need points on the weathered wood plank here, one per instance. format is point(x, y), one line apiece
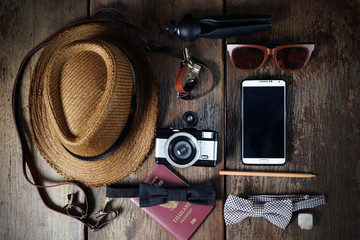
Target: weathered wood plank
point(22, 214)
point(323, 107)
point(153, 17)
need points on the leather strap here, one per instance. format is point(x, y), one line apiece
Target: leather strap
point(145, 40)
point(183, 91)
point(77, 212)
point(152, 46)
point(178, 81)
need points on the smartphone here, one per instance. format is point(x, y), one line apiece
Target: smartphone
point(263, 122)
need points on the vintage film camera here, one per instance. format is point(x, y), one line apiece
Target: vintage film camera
point(187, 147)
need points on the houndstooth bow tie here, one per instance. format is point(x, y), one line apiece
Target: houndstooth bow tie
point(277, 209)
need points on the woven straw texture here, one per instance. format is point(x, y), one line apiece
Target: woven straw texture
point(80, 98)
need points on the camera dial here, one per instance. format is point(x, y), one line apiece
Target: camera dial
point(182, 150)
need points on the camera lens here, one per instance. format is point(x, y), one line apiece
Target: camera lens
point(182, 150)
point(190, 119)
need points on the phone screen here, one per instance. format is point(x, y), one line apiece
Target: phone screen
point(263, 124)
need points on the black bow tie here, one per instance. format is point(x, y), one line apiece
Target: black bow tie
point(149, 195)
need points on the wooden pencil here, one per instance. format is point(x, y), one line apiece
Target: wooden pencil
point(266, 174)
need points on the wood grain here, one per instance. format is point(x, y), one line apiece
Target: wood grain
point(153, 17)
point(266, 174)
point(323, 125)
point(323, 117)
point(22, 214)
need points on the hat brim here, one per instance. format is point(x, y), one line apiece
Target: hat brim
point(139, 140)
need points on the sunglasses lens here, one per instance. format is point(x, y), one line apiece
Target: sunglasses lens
point(292, 58)
point(247, 58)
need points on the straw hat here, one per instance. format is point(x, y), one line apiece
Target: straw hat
point(93, 104)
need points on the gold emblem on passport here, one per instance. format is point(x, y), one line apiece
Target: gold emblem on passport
point(171, 205)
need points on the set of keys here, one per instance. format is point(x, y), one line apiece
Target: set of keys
point(194, 72)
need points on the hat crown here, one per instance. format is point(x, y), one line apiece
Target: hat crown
point(89, 86)
point(80, 48)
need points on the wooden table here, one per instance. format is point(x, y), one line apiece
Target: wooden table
point(323, 119)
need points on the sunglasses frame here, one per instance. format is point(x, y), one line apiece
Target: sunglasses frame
point(270, 51)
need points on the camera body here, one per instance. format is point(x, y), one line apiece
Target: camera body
point(186, 147)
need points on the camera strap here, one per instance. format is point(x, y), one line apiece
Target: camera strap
point(79, 211)
point(76, 211)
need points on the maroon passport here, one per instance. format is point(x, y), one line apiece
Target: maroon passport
point(181, 219)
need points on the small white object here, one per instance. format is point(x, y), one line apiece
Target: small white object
point(207, 135)
point(305, 221)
